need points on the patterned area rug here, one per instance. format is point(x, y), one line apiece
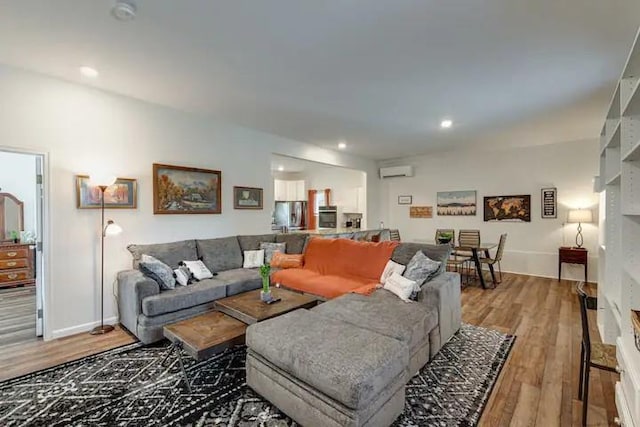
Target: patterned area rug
point(128, 386)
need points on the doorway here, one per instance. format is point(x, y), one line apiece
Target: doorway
point(21, 250)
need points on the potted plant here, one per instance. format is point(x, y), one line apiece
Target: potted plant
point(265, 272)
point(445, 237)
point(15, 236)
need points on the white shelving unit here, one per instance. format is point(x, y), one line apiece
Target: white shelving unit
point(619, 277)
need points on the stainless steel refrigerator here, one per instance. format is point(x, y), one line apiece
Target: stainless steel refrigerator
point(291, 215)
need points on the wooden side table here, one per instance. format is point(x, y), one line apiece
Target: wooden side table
point(571, 255)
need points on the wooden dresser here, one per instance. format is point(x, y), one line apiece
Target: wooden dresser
point(16, 265)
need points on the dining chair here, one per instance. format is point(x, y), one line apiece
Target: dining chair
point(496, 260)
point(592, 355)
point(394, 235)
point(468, 238)
point(455, 262)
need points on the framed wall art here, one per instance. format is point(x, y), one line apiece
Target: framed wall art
point(549, 202)
point(405, 200)
point(185, 190)
point(457, 203)
point(247, 198)
point(421, 212)
point(123, 194)
point(508, 208)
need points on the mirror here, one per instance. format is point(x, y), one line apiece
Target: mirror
point(11, 216)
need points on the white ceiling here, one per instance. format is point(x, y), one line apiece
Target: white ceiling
point(380, 74)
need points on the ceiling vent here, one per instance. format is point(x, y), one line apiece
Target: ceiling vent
point(124, 10)
point(396, 171)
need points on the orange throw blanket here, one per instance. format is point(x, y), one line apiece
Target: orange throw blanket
point(333, 267)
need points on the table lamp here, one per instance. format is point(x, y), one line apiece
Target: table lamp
point(579, 216)
point(108, 229)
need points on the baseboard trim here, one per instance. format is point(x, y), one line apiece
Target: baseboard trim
point(86, 327)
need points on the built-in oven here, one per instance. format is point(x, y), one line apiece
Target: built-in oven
point(328, 217)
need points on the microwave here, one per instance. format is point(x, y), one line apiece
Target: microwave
point(327, 217)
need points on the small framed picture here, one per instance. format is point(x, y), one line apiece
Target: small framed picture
point(549, 202)
point(247, 198)
point(123, 194)
point(405, 200)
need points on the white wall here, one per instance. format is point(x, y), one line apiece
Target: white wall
point(18, 177)
point(84, 130)
point(532, 248)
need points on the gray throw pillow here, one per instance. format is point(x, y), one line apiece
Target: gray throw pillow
point(271, 248)
point(158, 271)
point(421, 268)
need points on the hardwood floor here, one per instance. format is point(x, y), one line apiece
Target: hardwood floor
point(17, 315)
point(537, 387)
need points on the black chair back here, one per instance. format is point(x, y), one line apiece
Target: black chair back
point(587, 302)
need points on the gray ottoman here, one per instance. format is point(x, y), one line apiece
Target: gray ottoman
point(325, 372)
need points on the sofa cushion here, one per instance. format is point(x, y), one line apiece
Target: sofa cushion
point(403, 253)
point(384, 313)
point(252, 243)
point(295, 242)
point(171, 254)
point(338, 367)
point(220, 254)
point(184, 297)
point(323, 285)
point(240, 280)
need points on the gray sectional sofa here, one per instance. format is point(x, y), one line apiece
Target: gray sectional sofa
point(346, 362)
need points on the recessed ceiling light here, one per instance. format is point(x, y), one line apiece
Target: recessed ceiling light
point(446, 124)
point(89, 72)
point(124, 10)
point(281, 168)
point(342, 145)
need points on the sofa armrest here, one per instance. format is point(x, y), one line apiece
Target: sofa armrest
point(443, 294)
point(133, 287)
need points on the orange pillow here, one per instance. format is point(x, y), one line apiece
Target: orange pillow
point(280, 260)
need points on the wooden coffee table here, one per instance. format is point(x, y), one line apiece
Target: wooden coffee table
point(212, 332)
point(248, 308)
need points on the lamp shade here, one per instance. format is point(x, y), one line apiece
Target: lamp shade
point(580, 215)
point(111, 229)
point(101, 179)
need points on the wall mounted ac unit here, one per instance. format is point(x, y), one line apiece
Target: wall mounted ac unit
point(396, 171)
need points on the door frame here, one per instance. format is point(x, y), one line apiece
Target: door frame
point(45, 271)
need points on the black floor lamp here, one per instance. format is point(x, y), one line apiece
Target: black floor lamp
point(108, 229)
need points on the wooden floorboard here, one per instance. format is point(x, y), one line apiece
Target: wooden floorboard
point(17, 315)
point(537, 387)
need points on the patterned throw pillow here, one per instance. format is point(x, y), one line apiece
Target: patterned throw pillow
point(182, 275)
point(253, 259)
point(421, 268)
point(272, 248)
point(158, 271)
point(284, 261)
point(198, 269)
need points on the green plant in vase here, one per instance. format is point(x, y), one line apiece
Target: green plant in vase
point(15, 236)
point(445, 237)
point(265, 273)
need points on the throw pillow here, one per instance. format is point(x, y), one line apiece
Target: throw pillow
point(389, 269)
point(198, 269)
point(401, 286)
point(271, 248)
point(253, 259)
point(421, 268)
point(182, 275)
point(158, 271)
point(285, 261)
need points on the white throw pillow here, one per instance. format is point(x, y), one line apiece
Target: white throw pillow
point(182, 274)
point(253, 259)
point(401, 286)
point(389, 269)
point(198, 269)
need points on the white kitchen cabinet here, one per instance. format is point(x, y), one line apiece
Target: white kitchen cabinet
point(289, 191)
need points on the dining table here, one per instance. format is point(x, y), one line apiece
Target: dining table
point(475, 250)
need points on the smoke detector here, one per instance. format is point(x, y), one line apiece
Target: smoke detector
point(124, 10)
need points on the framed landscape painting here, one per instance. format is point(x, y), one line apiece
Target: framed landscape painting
point(123, 194)
point(247, 198)
point(508, 208)
point(457, 203)
point(184, 190)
